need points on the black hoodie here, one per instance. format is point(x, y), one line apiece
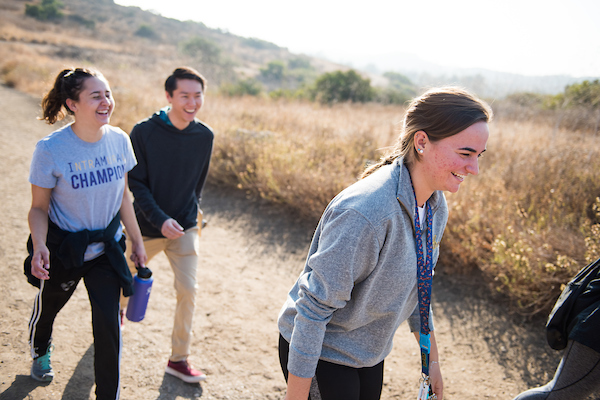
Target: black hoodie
point(172, 167)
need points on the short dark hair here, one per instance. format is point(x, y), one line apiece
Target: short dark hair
point(183, 73)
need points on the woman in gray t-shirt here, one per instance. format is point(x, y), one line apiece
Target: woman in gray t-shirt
point(78, 177)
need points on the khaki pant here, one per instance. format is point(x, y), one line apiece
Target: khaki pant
point(183, 257)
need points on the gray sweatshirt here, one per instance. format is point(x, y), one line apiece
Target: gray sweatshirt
point(360, 278)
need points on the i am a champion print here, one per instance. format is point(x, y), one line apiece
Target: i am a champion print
point(97, 171)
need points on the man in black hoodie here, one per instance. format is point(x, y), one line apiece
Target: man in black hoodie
point(173, 151)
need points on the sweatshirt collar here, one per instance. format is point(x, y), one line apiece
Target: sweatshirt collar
point(405, 193)
point(164, 116)
point(159, 118)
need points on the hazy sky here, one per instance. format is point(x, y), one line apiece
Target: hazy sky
point(530, 37)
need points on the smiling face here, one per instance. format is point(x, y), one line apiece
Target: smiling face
point(446, 163)
point(186, 101)
point(95, 104)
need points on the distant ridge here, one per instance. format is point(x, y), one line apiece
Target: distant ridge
point(485, 82)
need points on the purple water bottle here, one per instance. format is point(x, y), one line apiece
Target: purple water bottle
point(142, 284)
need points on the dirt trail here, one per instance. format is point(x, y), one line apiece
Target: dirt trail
point(251, 254)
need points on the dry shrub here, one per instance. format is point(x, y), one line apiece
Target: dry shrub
point(136, 94)
point(10, 7)
point(50, 34)
point(295, 153)
point(23, 69)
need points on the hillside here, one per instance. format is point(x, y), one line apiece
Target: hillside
point(104, 32)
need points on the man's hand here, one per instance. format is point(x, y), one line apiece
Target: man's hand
point(171, 229)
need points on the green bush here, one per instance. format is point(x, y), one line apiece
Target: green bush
point(259, 44)
point(47, 10)
point(146, 31)
point(579, 106)
point(339, 86)
point(291, 94)
point(88, 23)
point(204, 49)
point(299, 63)
point(275, 71)
point(246, 87)
point(585, 94)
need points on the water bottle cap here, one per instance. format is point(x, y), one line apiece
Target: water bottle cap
point(144, 272)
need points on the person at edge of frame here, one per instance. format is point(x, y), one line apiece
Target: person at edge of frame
point(578, 373)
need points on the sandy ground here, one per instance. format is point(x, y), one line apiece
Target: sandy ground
point(251, 254)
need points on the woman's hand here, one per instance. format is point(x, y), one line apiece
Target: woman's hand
point(38, 225)
point(437, 384)
point(40, 263)
point(138, 253)
point(435, 373)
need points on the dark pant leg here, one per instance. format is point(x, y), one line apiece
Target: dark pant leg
point(371, 382)
point(284, 349)
point(103, 288)
point(339, 382)
point(577, 377)
point(53, 295)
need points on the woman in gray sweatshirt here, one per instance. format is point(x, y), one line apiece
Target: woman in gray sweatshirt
point(360, 281)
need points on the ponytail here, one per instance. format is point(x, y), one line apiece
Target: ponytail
point(67, 85)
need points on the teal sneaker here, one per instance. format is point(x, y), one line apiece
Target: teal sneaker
point(41, 368)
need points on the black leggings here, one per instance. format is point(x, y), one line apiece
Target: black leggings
point(339, 382)
point(102, 284)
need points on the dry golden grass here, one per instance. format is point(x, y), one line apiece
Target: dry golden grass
point(527, 221)
point(52, 36)
point(297, 153)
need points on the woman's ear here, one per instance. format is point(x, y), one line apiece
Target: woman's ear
point(420, 141)
point(72, 105)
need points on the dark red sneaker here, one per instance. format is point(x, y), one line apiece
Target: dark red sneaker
point(184, 371)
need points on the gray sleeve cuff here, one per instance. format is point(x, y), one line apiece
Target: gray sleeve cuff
point(302, 365)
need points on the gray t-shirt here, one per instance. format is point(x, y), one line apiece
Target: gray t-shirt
point(87, 179)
